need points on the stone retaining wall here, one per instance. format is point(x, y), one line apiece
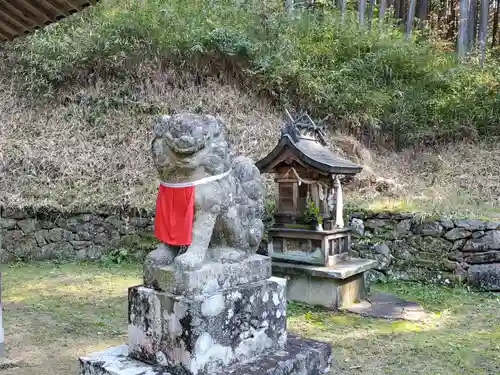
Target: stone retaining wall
point(405, 246)
point(444, 251)
point(42, 234)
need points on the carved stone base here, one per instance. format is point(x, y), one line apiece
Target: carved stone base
point(299, 357)
point(207, 333)
point(210, 277)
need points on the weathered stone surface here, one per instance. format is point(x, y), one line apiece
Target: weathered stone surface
point(331, 293)
point(210, 277)
point(422, 274)
point(471, 225)
point(228, 210)
point(299, 357)
point(478, 234)
point(46, 224)
point(207, 333)
point(140, 222)
point(7, 223)
point(28, 225)
point(457, 234)
point(380, 226)
point(402, 250)
point(430, 244)
point(490, 241)
point(342, 270)
point(14, 213)
point(358, 226)
point(485, 276)
point(488, 257)
point(41, 237)
point(403, 228)
point(80, 244)
point(382, 254)
point(447, 223)
point(491, 225)
point(56, 251)
point(429, 229)
point(458, 245)
point(456, 255)
point(20, 245)
point(27, 238)
point(58, 235)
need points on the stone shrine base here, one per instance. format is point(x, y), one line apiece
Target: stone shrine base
point(332, 287)
point(299, 357)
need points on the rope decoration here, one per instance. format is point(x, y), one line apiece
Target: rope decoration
point(320, 184)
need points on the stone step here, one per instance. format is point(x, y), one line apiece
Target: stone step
point(331, 287)
point(341, 270)
point(300, 357)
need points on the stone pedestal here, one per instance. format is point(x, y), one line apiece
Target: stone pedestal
point(332, 287)
point(222, 319)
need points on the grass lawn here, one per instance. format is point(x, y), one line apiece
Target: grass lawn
point(55, 313)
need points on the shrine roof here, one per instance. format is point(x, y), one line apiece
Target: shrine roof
point(312, 153)
point(20, 17)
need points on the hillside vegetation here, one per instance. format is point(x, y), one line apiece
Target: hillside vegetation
point(77, 100)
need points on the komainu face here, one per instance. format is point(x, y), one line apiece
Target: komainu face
point(186, 143)
point(227, 224)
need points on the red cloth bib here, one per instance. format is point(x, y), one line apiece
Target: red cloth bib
point(174, 215)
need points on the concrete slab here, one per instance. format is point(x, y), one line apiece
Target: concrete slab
point(342, 270)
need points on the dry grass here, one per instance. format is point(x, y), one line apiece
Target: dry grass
point(460, 180)
point(55, 313)
point(91, 145)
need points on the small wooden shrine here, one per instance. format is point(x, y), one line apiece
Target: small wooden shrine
point(309, 243)
point(309, 224)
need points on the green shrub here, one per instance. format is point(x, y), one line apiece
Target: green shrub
point(371, 83)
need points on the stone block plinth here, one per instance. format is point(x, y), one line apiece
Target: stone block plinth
point(210, 277)
point(298, 357)
point(206, 333)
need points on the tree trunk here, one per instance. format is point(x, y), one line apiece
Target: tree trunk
point(362, 6)
point(381, 12)
point(471, 25)
point(370, 13)
point(462, 31)
point(423, 10)
point(452, 21)
point(483, 28)
point(495, 25)
point(411, 17)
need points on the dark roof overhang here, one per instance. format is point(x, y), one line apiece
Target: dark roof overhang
point(20, 17)
point(312, 153)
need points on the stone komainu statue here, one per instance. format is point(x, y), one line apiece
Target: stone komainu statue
point(191, 152)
